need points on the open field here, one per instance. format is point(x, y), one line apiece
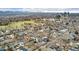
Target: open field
point(54, 33)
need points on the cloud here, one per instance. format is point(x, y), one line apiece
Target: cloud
point(39, 3)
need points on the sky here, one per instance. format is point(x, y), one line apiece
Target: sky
point(39, 3)
point(62, 5)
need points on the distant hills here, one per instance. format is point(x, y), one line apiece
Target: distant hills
point(35, 11)
point(71, 10)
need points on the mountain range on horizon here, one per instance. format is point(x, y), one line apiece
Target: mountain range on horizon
point(71, 10)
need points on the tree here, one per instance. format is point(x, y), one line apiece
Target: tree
point(58, 16)
point(66, 14)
